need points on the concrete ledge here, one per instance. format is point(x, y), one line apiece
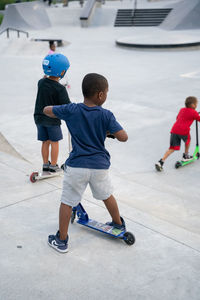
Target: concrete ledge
point(156, 46)
point(156, 38)
point(58, 41)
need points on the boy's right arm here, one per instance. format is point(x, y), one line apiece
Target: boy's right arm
point(114, 128)
point(197, 116)
point(121, 135)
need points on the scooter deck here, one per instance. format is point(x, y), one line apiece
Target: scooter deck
point(102, 228)
point(84, 220)
point(43, 175)
point(182, 163)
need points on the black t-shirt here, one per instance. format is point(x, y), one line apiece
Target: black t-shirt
point(50, 92)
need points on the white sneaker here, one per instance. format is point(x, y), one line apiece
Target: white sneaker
point(55, 242)
point(159, 165)
point(54, 169)
point(186, 157)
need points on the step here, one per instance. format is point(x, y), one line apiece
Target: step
point(144, 25)
point(145, 11)
point(131, 23)
point(126, 20)
point(140, 17)
point(148, 16)
point(154, 10)
point(148, 19)
point(125, 14)
point(122, 25)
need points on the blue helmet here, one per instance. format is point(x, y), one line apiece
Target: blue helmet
point(55, 64)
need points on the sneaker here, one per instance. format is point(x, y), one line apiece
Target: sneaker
point(59, 245)
point(186, 157)
point(159, 165)
point(63, 167)
point(54, 169)
point(121, 227)
point(45, 167)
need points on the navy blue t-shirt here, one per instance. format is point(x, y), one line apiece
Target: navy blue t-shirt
point(88, 127)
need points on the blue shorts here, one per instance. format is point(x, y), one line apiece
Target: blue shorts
point(51, 133)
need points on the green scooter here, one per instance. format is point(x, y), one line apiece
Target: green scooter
point(196, 154)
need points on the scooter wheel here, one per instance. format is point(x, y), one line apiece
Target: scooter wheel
point(129, 238)
point(177, 164)
point(73, 216)
point(32, 177)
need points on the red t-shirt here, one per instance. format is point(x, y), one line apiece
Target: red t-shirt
point(184, 120)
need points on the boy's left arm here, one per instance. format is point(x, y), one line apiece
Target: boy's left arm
point(48, 111)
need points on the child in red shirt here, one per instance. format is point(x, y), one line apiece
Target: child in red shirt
point(181, 131)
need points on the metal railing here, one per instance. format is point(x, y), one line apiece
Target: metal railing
point(14, 29)
point(134, 8)
point(135, 5)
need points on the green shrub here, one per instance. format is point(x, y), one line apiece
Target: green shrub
point(4, 2)
point(1, 18)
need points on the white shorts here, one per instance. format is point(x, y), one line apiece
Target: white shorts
point(76, 180)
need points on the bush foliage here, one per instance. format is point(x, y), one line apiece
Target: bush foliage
point(1, 18)
point(4, 2)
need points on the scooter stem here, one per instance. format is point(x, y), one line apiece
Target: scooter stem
point(197, 134)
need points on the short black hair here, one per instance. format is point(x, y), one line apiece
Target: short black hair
point(190, 100)
point(93, 83)
point(51, 43)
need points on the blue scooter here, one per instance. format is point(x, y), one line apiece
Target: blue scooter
point(84, 220)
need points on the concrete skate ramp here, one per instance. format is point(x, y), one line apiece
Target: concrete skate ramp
point(104, 16)
point(6, 147)
point(184, 15)
point(25, 16)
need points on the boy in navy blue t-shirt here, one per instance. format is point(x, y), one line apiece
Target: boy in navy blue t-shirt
point(89, 161)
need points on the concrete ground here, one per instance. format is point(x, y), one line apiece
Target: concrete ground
point(162, 210)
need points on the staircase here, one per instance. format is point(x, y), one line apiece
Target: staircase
point(140, 17)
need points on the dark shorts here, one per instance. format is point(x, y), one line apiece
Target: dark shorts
point(51, 133)
point(175, 140)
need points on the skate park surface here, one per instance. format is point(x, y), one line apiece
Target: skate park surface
point(146, 90)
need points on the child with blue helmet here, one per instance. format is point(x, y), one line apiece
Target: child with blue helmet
point(89, 161)
point(50, 92)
